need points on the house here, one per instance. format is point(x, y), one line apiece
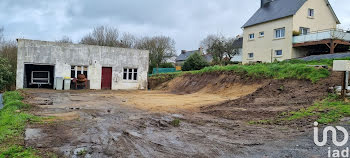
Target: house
point(287, 29)
point(171, 60)
point(42, 64)
point(238, 44)
point(180, 60)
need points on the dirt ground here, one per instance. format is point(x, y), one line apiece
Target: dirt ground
point(213, 114)
point(101, 124)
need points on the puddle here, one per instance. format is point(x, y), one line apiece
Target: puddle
point(1, 105)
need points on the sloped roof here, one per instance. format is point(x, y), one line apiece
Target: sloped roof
point(275, 10)
point(326, 56)
point(278, 9)
point(184, 56)
point(238, 43)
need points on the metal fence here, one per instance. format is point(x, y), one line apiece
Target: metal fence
point(322, 35)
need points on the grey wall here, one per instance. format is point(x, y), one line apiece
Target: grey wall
point(63, 55)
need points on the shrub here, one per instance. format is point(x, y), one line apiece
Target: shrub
point(166, 65)
point(195, 62)
point(296, 33)
point(7, 76)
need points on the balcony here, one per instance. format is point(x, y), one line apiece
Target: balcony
point(323, 35)
point(324, 41)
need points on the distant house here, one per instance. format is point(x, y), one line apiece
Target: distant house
point(171, 60)
point(238, 44)
point(286, 29)
point(180, 60)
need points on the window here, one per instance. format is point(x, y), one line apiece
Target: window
point(251, 36)
point(304, 30)
point(311, 12)
point(250, 55)
point(280, 33)
point(75, 70)
point(278, 52)
point(130, 74)
point(262, 34)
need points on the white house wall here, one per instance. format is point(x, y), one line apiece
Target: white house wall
point(63, 56)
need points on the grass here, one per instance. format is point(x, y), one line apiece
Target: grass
point(329, 110)
point(13, 120)
point(176, 122)
point(295, 69)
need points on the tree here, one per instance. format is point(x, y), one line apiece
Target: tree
point(220, 47)
point(231, 49)
point(1, 35)
point(160, 47)
point(128, 41)
point(102, 36)
point(215, 45)
point(195, 62)
point(65, 39)
point(7, 76)
point(8, 50)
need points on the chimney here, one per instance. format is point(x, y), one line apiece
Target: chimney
point(183, 51)
point(200, 50)
point(264, 3)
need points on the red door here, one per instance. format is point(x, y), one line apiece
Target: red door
point(106, 82)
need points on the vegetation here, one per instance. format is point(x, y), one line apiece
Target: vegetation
point(175, 123)
point(12, 125)
point(220, 48)
point(296, 33)
point(7, 75)
point(195, 62)
point(296, 69)
point(8, 62)
point(329, 110)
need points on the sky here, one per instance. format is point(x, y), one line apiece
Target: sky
point(186, 21)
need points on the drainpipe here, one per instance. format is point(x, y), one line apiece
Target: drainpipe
point(271, 55)
point(346, 80)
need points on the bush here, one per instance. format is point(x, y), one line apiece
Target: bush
point(7, 76)
point(195, 62)
point(166, 65)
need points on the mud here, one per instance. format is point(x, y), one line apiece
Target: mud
point(213, 120)
point(275, 97)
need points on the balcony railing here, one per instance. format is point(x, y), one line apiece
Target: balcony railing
point(322, 35)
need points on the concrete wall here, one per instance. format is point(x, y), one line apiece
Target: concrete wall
point(264, 47)
point(63, 56)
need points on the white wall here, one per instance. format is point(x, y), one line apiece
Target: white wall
point(64, 55)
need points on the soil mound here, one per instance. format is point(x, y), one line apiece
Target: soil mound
point(273, 98)
point(222, 83)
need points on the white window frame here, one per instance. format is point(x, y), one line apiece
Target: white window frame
point(311, 12)
point(280, 33)
point(82, 68)
point(278, 51)
point(250, 57)
point(133, 73)
point(251, 36)
point(303, 29)
point(263, 34)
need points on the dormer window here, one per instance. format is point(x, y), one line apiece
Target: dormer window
point(251, 36)
point(311, 13)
